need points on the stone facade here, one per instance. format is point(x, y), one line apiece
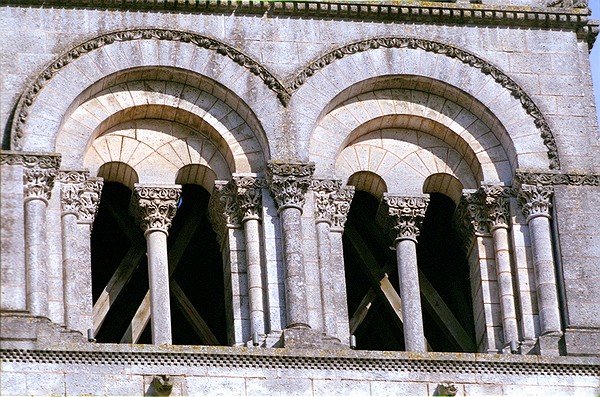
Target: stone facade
point(289, 198)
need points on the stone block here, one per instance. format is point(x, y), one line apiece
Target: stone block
point(290, 387)
point(328, 387)
point(214, 386)
point(45, 384)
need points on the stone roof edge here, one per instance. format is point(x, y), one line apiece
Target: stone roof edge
point(364, 10)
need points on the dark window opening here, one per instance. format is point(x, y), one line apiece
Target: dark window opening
point(197, 287)
point(441, 260)
point(444, 263)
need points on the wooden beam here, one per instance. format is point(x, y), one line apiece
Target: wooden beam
point(376, 276)
point(131, 231)
point(116, 283)
point(361, 311)
point(192, 315)
point(139, 322)
point(443, 316)
point(142, 315)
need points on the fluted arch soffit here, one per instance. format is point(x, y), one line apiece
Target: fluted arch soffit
point(184, 124)
point(283, 90)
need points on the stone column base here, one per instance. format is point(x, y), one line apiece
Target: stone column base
point(306, 338)
point(550, 344)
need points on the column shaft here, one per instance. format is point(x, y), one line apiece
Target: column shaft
point(36, 257)
point(505, 284)
point(297, 313)
point(408, 274)
point(339, 287)
point(545, 275)
point(255, 283)
point(158, 276)
point(70, 270)
point(327, 279)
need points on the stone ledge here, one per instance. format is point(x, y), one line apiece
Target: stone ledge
point(273, 359)
point(426, 11)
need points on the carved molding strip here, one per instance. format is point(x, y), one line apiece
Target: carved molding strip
point(284, 92)
point(441, 49)
point(201, 41)
point(30, 160)
point(549, 178)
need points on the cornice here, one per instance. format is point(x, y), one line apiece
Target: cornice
point(197, 359)
point(562, 14)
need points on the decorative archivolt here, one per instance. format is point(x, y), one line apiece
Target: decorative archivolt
point(284, 91)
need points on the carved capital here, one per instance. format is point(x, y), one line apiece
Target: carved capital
point(155, 206)
point(223, 208)
point(289, 182)
point(249, 196)
point(38, 183)
point(405, 215)
point(496, 201)
point(535, 200)
point(332, 202)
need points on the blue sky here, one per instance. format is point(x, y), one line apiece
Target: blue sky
point(595, 57)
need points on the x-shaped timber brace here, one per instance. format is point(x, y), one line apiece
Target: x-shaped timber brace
point(381, 287)
point(126, 269)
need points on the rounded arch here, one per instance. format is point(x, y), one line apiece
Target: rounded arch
point(487, 90)
point(116, 171)
point(445, 184)
point(43, 107)
point(366, 181)
point(196, 174)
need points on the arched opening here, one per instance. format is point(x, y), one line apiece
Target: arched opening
point(120, 272)
point(371, 278)
point(444, 280)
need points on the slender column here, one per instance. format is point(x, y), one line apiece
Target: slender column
point(288, 183)
point(249, 194)
point(497, 206)
point(156, 207)
point(535, 202)
point(407, 214)
point(324, 210)
point(80, 196)
point(224, 215)
point(39, 181)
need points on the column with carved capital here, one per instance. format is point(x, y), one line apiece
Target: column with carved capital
point(155, 207)
point(80, 197)
point(332, 203)
point(535, 201)
point(407, 214)
point(497, 207)
point(288, 183)
point(39, 181)
point(249, 195)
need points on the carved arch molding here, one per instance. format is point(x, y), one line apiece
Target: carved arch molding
point(284, 90)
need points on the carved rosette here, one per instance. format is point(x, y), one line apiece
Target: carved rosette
point(567, 3)
point(496, 201)
point(535, 200)
point(249, 196)
point(405, 214)
point(155, 206)
point(289, 182)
